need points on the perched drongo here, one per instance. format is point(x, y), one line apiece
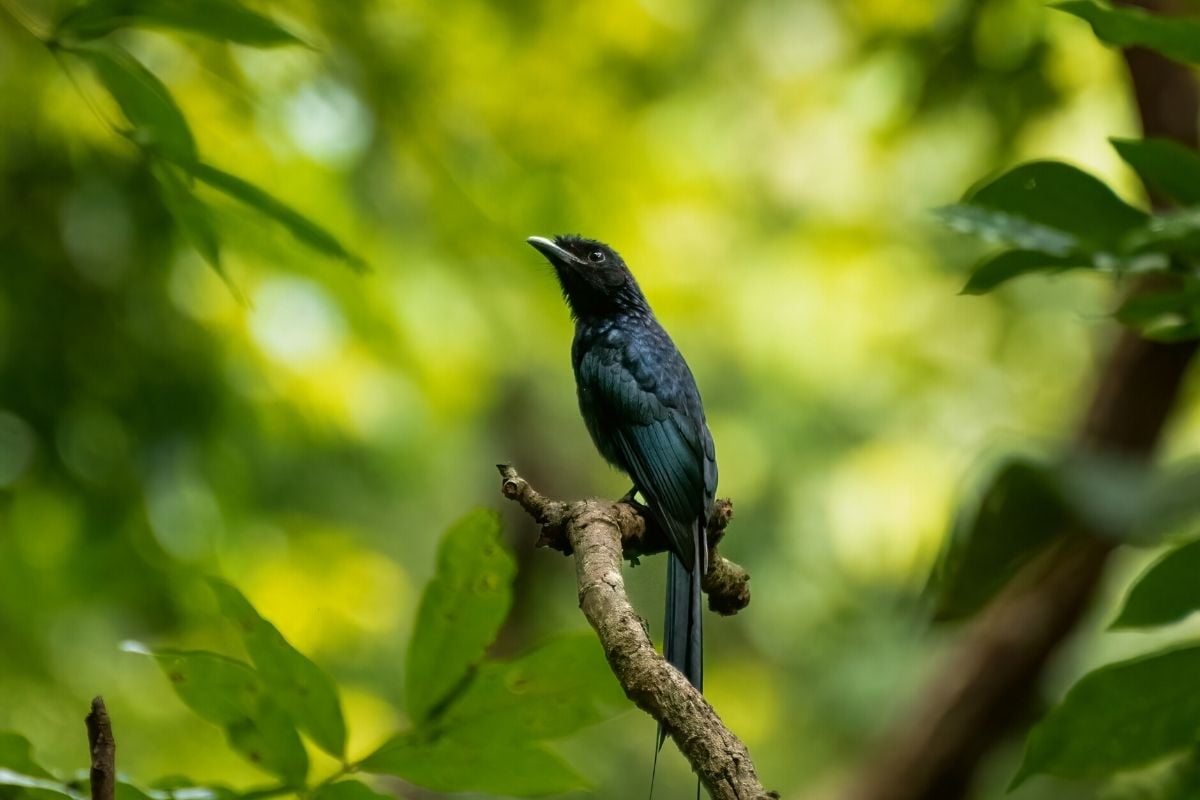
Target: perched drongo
point(641, 406)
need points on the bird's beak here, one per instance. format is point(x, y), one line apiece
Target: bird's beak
point(558, 256)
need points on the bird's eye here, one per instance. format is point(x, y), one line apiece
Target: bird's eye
point(596, 256)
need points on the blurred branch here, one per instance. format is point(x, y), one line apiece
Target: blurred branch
point(104, 751)
point(600, 534)
point(992, 676)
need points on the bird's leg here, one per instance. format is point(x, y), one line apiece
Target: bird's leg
point(630, 498)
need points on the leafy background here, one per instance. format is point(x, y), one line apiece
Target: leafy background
point(193, 383)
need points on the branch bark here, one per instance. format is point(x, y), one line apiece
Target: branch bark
point(103, 752)
point(991, 677)
point(600, 534)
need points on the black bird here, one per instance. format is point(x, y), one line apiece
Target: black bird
point(643, 410)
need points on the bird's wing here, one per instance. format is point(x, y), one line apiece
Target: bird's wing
point(659, 430)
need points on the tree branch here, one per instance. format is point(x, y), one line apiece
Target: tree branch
point(992, 676)
point(103, 750)
point(725, 583)
point(600, 534)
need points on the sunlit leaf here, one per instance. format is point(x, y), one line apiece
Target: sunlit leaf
point(190, 213)
point(299, 685)
point(1062, 198)
point(304, 229)
point(1119, 717)
point(223, 20)
point(348, 790)
point(1165, 165)
point(230, 694)
point(1125, 26)
point(552, 691)
point(504, 766)
point(1004, 267)
point(158, 124)
point(1016, 513)
point(1166, 592)
point(461, 611)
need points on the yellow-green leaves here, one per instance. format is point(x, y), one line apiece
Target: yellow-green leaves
point(222, 20)
point(193, 216)
point(347, 790)
point(262, 706)
point(1119, 717)
point(1125, 26)
point(461, 611)
point(304, 229)
point(502, 767)
point(22, 778)
point(157, 124)
point(480, 725)
point(551, 691)
point(232, 695)
point(296, 683)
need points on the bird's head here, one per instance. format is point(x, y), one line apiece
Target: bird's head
point(593, 276)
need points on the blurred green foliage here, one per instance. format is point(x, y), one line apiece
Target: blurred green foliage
point(306, 431)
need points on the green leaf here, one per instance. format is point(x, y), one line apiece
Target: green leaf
point(1166, 592)
point(551, 691)
point(502, 767)
point(158, 124)
point(1002, 268)
point(1165, 165)
point(1171, 233)
point(1175, 38)
point(999, 227)
point(296, 683)
point(230, 694)
point(304, 229)
point(223, 20)
point(16, 754)
point(1063, 198)
point(1017, 512)
point(190, 214)
point(127, 791)
point(1146, 307)
point(1118, 717)
point(461, 612)
point(1163, 316)
point(348, 790)
point(26, 779)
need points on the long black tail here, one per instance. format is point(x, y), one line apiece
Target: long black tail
point(683, 637)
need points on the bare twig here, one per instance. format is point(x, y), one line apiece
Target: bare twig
point(991, 678)
point(599, 534)
point(104, 752)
